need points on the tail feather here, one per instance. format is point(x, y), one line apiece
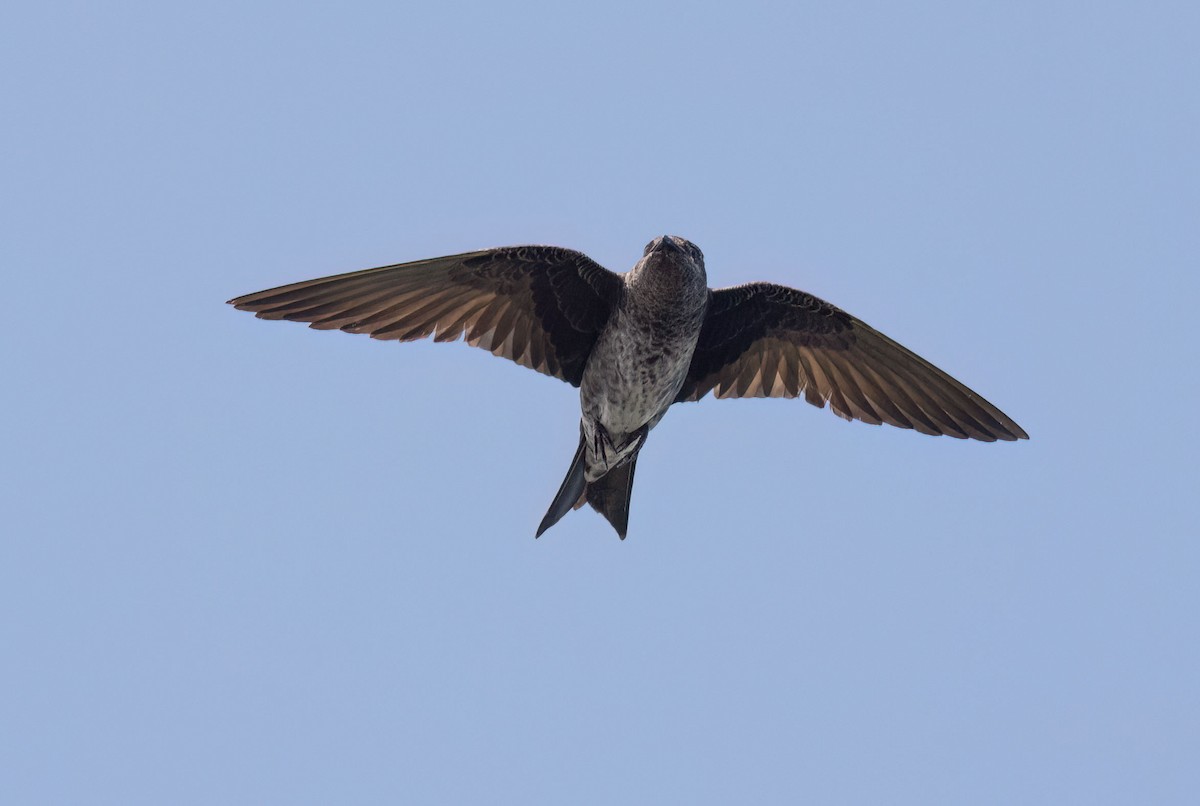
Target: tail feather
point(570, 494)
point(609, 495)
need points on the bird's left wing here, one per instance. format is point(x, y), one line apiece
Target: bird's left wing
point(767, 340)
point(541, 306)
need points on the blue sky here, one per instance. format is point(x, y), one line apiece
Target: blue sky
point(246, 562)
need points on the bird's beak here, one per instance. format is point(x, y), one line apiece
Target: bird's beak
point(667, 244)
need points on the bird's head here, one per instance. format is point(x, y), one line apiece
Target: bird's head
point(675, 255)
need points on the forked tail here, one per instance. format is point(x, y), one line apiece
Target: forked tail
point(608, 495)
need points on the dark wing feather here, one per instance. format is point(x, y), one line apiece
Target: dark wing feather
point(540, 306)
point(766, 340)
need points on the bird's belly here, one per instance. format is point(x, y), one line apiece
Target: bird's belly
point(630, 399)
point(629, 383)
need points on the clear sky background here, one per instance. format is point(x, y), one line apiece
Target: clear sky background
point(247, 562)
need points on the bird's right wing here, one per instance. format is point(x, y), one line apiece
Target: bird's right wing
point(541, 306)
point(767, 340)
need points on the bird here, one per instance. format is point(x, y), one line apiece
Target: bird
point(637, 343)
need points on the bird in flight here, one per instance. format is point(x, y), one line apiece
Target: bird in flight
point(636, 343)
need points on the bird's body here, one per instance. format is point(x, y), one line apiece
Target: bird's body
point(639, 342)
point(642, 355)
